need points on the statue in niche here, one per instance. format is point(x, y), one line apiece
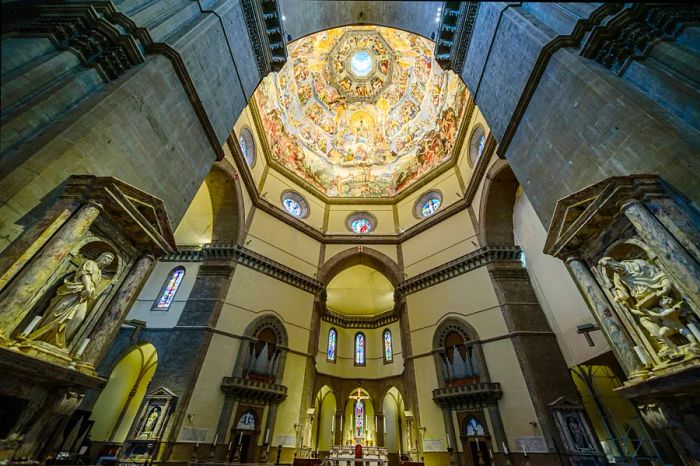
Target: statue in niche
point(68, 309)
point(647, 293)
point(151, 422)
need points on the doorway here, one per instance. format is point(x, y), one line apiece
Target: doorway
point(475, 441)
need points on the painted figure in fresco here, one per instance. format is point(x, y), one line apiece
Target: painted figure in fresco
point(70, 306)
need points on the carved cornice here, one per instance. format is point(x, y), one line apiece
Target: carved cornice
point(580, 217)
point(253, 390)
point(264, 23)
point(250, 259)
point(632, 33)
point(348, 321)
point(460, 266)
point(477, 395)
point(454, 34)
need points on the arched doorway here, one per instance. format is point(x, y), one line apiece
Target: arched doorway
point(394, 425)
point(475, 440)
point(118, 404)
point(245, 434)
point(324, 421)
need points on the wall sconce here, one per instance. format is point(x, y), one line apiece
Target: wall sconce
point(586, 330)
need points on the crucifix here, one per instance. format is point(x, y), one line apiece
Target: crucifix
point(359, 397)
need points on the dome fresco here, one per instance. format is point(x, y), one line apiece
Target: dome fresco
point(361, 111)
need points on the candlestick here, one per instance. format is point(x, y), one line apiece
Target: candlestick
point(505, 447)
point(31, 325)
point(216, 438)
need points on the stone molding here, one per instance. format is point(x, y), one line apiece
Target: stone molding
point(350, 321)
point(250, 259)
point(253, 390)
point(453, 39)
point(459, 266)
point(477, 395)
point(266, 34)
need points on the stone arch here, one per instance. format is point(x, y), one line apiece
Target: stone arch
point(268, 321)
point(360, 256)
point(497, 203)
point(250, 348)
point(470, 338)
point(228, 212)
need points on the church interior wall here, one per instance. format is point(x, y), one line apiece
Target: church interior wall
point(275, 185)
point(247, 200)
point(449, 188)
point(245, 120)
point(142, 308)
point(282, 243)
point(109, 138)
point(375, 367)
point(335, 249)
point(197, 223)
point(555, 290)
point(456, 238)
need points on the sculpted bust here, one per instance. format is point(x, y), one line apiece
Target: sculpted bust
point(69, 307)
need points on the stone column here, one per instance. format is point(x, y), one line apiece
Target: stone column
point(269, 427)
point(379, 428)
point(609, 323)
point(106, 330)
point(684, 269)
point(14, 305)
point(451, 437)
point(227, 410)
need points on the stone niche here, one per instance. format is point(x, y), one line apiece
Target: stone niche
point(66, 285)
point(632, 245)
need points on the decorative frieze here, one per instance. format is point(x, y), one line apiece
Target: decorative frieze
point(476, 395)
point(460, 266)
point(264, 23)
point(348, 321)
point(254, 390)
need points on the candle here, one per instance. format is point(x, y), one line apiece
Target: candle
point(82, 347)
point(449, 444)
point(505, 448)
point(31, 325)
point(216, 438)
point(267, 435)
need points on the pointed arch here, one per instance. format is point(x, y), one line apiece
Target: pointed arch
point(228, 214)
point(497, 203)
point(361, 256)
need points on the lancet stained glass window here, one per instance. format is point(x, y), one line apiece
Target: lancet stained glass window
point(360, 349)
point(388, 350)
point(170, 288)
point(359, 418)
point(332, 341)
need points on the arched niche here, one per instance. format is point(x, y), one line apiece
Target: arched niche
point(459, 358)
point(263, 352)
point(496, 208)
point(393, 409)
point(216, 213)
point(360, 256)
point(116, 408)
point(325, 406)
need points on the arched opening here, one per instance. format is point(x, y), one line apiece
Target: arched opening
point(359, 425)
point(459, 357)
point(324, 421)
point(118, 404)
point(394, 423)
point(215, 214)
point(497, 201)
point(262, 357)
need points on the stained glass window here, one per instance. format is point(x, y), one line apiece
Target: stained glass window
point(245, 141)
point(295, 204)
point(430, 206)
point(477, 145)
point(427, 204)
point(170, 288)
point(388, 351)
point(361, 222)
point(359, 418)
point(332, 339)
point(474, 427)
point(360, 349)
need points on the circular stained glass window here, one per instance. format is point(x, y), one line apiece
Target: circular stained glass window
point(361, 223)
point(295, 204)
point(245, 140)
point(477, 145)
point(361, 63)
point(427, 204)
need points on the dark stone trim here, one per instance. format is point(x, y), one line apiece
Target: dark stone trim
point(478, 395)
point(459, 266)
point(348, 321)
point(480, 169)
point(572, 40)
point(250, 259)
point(264, 23)
point(253, 390)
point(455, 34)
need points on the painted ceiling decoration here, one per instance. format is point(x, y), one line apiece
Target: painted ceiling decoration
point(361, 111)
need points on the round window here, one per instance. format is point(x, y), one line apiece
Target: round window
point(427, 204)
point(245, 140)
point(361, 223)
point(295, 204)
point(477, 145)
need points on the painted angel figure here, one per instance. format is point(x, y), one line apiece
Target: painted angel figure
point(68, 309)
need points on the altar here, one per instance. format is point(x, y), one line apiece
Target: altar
point(344, 455)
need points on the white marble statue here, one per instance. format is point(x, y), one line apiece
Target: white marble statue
point(663, 323)
point(70, 306)
point(637, 279)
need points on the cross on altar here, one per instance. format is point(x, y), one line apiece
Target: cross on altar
point(359, 396)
